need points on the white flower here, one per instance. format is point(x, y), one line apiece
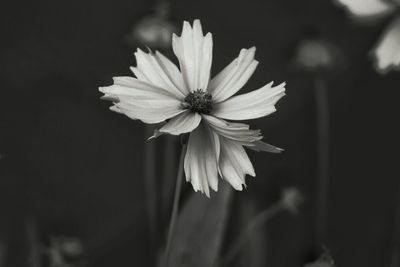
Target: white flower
point(188, 101)
point(387, 51)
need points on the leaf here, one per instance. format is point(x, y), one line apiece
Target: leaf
point(198, 234)
point(325, 260)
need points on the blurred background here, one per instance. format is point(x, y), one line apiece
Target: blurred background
point(72, 172)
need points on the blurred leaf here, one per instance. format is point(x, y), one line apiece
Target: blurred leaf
point(325, 260)
point(255, 253)
point(200, 228)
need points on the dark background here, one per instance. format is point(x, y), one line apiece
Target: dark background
point(76, 168)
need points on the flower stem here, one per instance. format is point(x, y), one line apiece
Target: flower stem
point(33, 259)
point(175, 207)
point(322, 121)
point(150, 186)
point(257, 222)
point(394, 259)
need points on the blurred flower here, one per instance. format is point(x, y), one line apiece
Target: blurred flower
point(190, 102)
point(387, 51)
point(315, 54)
point(325, 260)
point(154, 31)
point(65, 252)
point(291, 199)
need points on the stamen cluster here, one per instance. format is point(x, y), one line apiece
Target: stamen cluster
point(198, 101)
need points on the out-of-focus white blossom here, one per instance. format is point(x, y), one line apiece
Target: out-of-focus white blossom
point(387, 51)
point(314, 55)
point(367, 9)
point(291, 199)
point(154, 31)
point(186, 100)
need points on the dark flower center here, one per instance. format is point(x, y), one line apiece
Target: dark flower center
point(198, 101)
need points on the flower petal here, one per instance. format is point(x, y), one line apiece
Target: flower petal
point(387, 52)
point(234, 163)
point(256, 104)
point(129, 86)
point(194, 52)
point(183, 123)
point(152, 70)
point(262, 146)
point(172, 71)
point(238, 132)
point(367, 8)
point(140, 100)
point(234, 76)
point(201, 161)
point(149, 112)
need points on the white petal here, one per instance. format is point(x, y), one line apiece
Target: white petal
point(183, 123)
point(201, 161)
point(143, 101)
point(238, 132)
point(367, 8)
point(387, 52)
point(149, 113)
point(194, 52)
point(156, 134)
point(255, 104)
point(234, 76)
point(159, 72)
point(262, 146)
point(172, 71)
point(130, 86)
point(234, 163)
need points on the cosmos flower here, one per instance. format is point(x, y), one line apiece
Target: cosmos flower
point(386, 53)
point(186, 100)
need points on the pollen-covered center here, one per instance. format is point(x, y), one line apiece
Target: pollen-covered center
point(198, 101)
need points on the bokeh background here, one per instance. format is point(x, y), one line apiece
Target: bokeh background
point(71, 167)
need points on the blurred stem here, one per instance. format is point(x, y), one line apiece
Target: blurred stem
point(395, 245)
point(163, 8)
point(33, 243)
point(257, 222)
point(150, 185)
point(322, 125)
point(169, 174)
point(3, 252)
point(175, 207)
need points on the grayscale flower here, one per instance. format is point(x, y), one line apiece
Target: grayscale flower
point(188, 101)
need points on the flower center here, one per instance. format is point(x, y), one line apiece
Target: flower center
point(198, 101)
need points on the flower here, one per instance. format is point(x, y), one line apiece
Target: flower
point(291, 199)
point(386, 53)
point(316, 55)
point(154, 30)
point(188, 101)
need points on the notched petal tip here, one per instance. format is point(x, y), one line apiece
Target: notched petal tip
point(265, 147)
point(110, 98)
point(103, 89)
point(116, 109)
point(156, 134)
